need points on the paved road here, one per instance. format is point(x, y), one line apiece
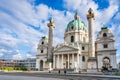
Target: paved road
point(46, 76)
point(11, 77)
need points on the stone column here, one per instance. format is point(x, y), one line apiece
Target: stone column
point(90, 18)
point(68, 61)
point(78, 62)
point(54, 62)
point(58, 62)
point(51, 26)
point(73, 60)
point(43, 65)
point(62, 61)
point(92, 65)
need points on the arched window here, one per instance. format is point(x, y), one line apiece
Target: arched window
point(83, 58)
point(72, 38)
point(83, 48)
point(42, 42)
point(104, 35)
point(72, 27)
point(41, 51)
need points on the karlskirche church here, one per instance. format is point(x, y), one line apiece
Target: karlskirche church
point(80, 51)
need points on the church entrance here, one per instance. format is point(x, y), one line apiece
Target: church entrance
point(106, 63)
point(41, 65)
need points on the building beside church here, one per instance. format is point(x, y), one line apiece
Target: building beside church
point(29, 63)
point(80, 51)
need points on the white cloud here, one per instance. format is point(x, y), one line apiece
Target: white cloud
point(1, 54)
point(117, 17)
point(4, 50)
point(17, 56)
point(28, 55)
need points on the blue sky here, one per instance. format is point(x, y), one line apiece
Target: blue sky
point(24, 22)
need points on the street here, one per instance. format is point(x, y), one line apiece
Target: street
point(11, 77)
point(51, 76)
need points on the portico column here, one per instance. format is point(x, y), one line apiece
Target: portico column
point(62, 60)
point(78, 59)
point(58, 61)
point(72, 60)
point(68, 61)
point(43, 65)
point(54, 62)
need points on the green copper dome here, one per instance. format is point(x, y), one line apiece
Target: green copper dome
point(76, 25)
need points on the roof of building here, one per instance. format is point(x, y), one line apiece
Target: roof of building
point(44, 37)
point(104, 28)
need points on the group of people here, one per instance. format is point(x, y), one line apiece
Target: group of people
point(60, 72)
point(64, 71)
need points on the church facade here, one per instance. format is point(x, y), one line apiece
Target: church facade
point(79, 51)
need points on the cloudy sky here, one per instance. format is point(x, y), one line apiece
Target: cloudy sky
point(24, 22)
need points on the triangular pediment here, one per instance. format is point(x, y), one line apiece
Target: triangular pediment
point(65, 48)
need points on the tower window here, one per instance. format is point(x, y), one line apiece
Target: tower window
point(105, 46)
point(72, 27)
point(42, 42)
point(83, 48)
point(72, 38)
point(41, 51)
point(83, 58)
point(104, 35)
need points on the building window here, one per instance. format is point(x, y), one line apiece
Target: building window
point(41, 51)
point(104, 35)
point(105, 46)
point(83, 48)
point(83, 58)
point(42, 42)
point(72, 38)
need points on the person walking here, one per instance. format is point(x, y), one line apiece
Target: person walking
point(59, 71)
point(65, 71)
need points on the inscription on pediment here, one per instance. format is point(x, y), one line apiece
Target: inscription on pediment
point(66, 49)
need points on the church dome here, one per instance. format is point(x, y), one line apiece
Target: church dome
point(76, 25)
point(76, 31)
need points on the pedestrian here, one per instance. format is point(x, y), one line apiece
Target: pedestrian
point(65, 72)
point(49, 71)
point(59, 71)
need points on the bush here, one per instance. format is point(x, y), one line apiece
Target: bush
point(9, 68)
point(14, 68)
point(117, 73)
point(23, 68)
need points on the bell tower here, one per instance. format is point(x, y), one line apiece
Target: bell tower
point(92, 66)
